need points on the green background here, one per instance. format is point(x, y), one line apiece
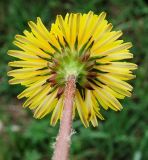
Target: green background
point(122, 136)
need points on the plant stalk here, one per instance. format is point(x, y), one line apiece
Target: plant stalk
point(63, 140)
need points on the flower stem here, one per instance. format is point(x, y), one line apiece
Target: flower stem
point(62, 145)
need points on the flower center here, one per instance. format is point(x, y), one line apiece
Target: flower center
point(68, 63)
point(77, 62)
point(71, 63)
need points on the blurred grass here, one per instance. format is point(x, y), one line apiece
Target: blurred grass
point(124, 135)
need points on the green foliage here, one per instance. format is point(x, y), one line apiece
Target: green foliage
point(122, 135)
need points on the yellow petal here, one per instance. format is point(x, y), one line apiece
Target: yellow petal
point(82, 109)
point(47, 102)
point(57, 112)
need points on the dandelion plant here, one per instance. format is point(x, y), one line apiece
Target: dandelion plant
point(77, 66)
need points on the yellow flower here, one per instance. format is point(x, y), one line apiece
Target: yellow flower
point(82, 45)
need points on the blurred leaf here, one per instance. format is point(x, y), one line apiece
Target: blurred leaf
point(32, 155)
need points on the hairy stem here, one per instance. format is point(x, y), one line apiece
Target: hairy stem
point(63, 139)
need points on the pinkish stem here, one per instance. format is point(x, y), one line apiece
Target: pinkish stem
point(62, 146)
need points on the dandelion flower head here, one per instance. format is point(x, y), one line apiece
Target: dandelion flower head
point(83, 45)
